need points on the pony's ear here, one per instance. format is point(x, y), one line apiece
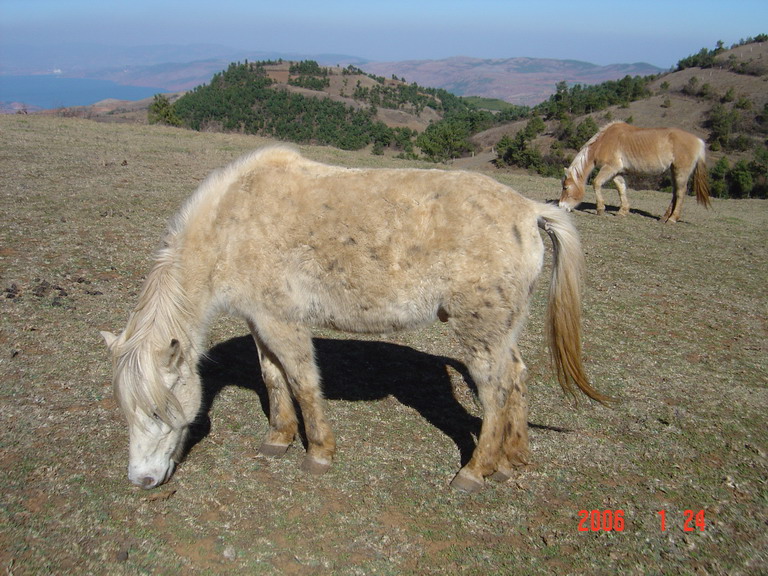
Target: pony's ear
point(109, 338)
point(174, 355)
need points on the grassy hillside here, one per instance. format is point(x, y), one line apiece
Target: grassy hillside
point(674, 328)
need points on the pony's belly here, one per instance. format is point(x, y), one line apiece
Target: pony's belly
point(375, 319)
point(652, 169)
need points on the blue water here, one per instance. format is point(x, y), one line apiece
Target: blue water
point(52, 91)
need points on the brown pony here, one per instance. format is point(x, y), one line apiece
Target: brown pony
point(287, 244)
point(619, 148)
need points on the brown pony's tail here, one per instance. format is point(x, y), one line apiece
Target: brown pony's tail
point(564, 310)
point(701, 183)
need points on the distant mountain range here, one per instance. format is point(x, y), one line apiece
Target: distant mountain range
point(517, 80)
point(177, 68)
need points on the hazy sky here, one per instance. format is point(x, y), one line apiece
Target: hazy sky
point(660, 32)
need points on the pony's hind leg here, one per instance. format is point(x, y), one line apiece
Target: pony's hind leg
point(283, 423)
point(680, 180)
point(292, 354)
point(514, 451)
point(503, 439)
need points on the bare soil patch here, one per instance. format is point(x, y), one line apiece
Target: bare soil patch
point(676, 327)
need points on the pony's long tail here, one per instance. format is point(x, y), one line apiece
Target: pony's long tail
point(701, 183)
point(564, 309)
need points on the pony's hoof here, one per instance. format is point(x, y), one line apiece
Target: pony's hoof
point(464, 482)
point(314, 466)
point(501, 475)
point(273, 450)
point(518, 459)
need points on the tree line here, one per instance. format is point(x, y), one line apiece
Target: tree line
point(706, 58)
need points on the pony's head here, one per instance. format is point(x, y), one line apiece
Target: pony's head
point(159, 392)
point(573, 191)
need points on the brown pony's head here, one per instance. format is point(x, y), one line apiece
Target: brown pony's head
point(573, 191)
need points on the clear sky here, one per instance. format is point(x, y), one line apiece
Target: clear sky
point(659, 32)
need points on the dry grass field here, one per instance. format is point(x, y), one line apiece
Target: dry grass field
point(676, 328)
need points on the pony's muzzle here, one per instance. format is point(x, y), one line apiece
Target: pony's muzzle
point(148, 482)
point(567, 207)
point(151, 480)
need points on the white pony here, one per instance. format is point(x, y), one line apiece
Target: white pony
point(287, 244)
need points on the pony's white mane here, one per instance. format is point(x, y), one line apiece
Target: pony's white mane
point(579, 164)
point(157, 320)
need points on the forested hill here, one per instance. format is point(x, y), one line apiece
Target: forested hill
point(343, 107)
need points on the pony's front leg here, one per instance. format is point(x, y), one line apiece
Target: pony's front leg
point(291, 348)
point(621, 186)
point(599, 202)
point(603, 175)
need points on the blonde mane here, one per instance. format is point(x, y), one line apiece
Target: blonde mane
point(163, 313)
point(160, 317)
point(163, 309)
point(582, 159)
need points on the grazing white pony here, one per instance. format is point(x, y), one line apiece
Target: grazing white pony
point(288, 244)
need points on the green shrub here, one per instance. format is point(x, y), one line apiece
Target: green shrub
point(161, 111)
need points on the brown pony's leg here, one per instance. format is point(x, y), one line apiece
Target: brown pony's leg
point(621, 185)
point(603, 175)
point(680, 179)
point(283, 423)
point(291, 348)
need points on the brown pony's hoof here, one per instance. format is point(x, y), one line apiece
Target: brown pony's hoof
point(501, 475)
point(464, 482)
point(315, 467)
point(273, 450)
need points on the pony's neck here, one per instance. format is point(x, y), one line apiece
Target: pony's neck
point(582, 164)
point(166, 311)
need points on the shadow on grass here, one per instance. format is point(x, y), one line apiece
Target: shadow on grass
point(353, 371)
point(591, 207)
